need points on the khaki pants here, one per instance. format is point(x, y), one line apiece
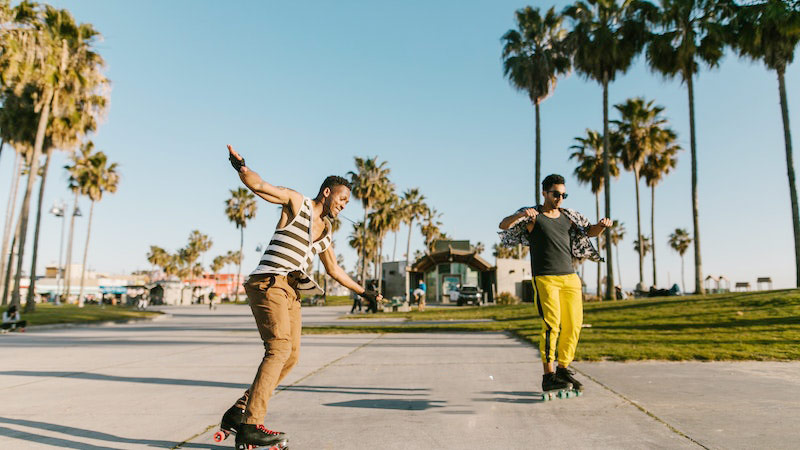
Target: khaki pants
point(275, 303)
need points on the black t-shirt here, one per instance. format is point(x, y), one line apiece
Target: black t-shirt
point(550, 246)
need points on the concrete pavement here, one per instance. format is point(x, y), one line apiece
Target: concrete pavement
point(165, 384)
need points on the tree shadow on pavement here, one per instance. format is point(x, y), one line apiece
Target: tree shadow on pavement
point(512, 397)
point(403, 405)
point(83, 433)
point(147, 380)
point(356, 390)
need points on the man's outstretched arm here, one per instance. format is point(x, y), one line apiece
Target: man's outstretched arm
point(599, 227)
point(270, 193)
point(337, 273)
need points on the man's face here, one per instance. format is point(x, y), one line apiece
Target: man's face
point(338, 198)
point(555, 195)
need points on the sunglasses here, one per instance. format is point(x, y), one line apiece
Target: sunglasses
point(558, 195)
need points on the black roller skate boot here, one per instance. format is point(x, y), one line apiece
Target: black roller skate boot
point(250, 436)
point(230, 423)
point(566, 375)
point(552, 383)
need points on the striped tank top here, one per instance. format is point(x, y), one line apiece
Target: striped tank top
point(292, 249)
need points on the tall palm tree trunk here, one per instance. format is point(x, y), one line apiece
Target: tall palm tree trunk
point(653, 230)
point(364, 249)
point(698, 262)
point(30, 303)
point(11, 258)
point(619, 271)
point(599, 249)
point(683, 278)
point(85, 253)
point(241, 256)
point(26, 199)
point(68, 260)
point(408, 258)
point(607, 189)
point(790, 172)
point(12, 204)
point(394, 252)
point(538, 154)
point(639, 226)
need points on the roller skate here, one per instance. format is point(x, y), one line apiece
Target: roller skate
point(554, 387)
point(250, 436)
point(230, 423)
point(565, 374)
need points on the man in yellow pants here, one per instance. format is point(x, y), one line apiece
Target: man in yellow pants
point(557, 236)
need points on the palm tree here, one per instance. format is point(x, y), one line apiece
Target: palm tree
point(498, 251)
point(158, 257)
point(370, 183)
point(534, 56)
point(216, 265)
point(607, 35)
point(661, 160)
point(643, 249)
point(769, 31)
point(240, 208)
point(430, 227)
point(642, 129)
point(54, 60)
point(690, 32)
point(98, 178)
point(479, 248)
point(615, 235)
point(588, 152)
point(362, 242)
point(679, 241)
point(381, 221)
point(80, 164)
point(413, 208)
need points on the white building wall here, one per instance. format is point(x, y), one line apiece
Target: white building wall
point(511, 274)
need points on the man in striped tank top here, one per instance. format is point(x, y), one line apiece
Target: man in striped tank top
point(274, 288)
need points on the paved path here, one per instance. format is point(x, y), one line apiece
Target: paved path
point(166, 383)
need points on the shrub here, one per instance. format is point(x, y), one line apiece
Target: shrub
point(506, 298)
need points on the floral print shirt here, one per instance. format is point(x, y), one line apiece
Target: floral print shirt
point(580, 243)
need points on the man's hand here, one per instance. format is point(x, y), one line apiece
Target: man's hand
point(370, 295)
point(604, 222)
point(530, 213)
point(236, 160)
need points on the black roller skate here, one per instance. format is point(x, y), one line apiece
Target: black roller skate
point(554, 387)
point(565, 374)
point(251, 436)
point(230, 423)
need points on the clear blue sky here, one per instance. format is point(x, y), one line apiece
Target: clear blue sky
point(300, 88)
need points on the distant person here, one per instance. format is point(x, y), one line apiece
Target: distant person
point(356, 303)
point(419, 295)
point(557, 237)
point(275, 286)
point(12, 320)
point(212, 301)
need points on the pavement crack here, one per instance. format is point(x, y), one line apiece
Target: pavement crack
point(642, 409)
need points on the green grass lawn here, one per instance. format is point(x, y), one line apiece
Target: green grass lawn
point(735, 326)
point(46, 314)
point(338, 300)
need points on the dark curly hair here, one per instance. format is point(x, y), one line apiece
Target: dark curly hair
point(551, 180)
point(333, 181)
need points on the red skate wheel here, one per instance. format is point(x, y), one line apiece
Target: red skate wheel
point(220, 436)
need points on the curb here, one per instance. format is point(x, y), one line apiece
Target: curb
point(104, 323)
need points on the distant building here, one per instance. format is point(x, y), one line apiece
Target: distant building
point(451, 264)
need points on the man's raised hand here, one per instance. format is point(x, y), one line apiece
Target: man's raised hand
point(605, 222)
point(236, 160)
point(531, 213)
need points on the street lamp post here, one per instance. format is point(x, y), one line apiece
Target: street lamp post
point(58, 211)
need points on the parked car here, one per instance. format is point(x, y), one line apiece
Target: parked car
point(469, 294)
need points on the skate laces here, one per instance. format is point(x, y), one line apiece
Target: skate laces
point(264, 429)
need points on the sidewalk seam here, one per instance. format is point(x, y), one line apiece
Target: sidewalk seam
point(642, 409)
point(281, 389)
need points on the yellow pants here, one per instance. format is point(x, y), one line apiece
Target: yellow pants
point(559, 299)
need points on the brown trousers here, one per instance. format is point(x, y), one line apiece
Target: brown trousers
point(275, 303)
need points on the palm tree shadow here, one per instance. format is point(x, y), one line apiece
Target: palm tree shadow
point(89, 434)
point(519, 397)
